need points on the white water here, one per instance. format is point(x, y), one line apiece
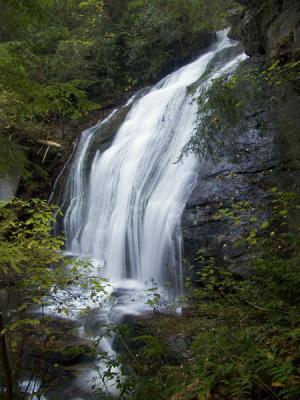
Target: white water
point(129, 220)
point(74, 217)
point(126, 213)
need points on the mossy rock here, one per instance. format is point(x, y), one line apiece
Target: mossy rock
point(64, 345)
point(72, 354)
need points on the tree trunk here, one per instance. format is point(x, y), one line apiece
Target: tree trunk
point(5, 363)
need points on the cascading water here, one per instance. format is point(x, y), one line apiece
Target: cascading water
point(129, 219)
point(124, 210)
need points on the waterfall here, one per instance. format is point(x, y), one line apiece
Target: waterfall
point(124, 210)
point(124, 198)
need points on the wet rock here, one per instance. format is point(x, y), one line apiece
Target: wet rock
point(260, 159)
point(9, 185)
point(283, 34)
point(54, 347)
point(94, 321)
point(218, 187)
point(179, 346)
point(169, 335)
point(269, 28)
point(71, 354)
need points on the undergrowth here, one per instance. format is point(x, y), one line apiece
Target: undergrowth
point(237, 339)
point(239, 101)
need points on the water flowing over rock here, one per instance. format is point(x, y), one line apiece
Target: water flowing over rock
point(124, 210)
point(126, 192)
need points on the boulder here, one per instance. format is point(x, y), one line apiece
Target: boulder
point(8, 186)
point(268, 28)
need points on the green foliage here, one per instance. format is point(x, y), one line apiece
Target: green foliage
point(59, 60)
point(224, 109)
point(28, 102)
point(12, 158)
point(280, 72)
point(58, 101)
point(152, 350)
point(236, 102)
point(154, 297)
point(268, 224)
point(28, 98)
point(164, 31)
point(247, 354)
point(26, 241)
point(18, 15)
point(241, 336)
point(33, 271)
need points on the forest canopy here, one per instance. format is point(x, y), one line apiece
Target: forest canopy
point(60, 60)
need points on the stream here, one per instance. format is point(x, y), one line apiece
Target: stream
point(123, 205)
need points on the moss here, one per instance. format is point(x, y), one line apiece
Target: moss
point(64, 346)
point(76, 353)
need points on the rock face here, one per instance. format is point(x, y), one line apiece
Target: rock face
point(8, 186)
point(264, 162)
point(266, 158)
point(269, 27)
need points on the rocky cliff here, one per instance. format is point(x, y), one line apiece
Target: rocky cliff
point(269, 27)
point(266, 157)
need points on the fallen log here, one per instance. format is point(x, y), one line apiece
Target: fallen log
point(49, 143)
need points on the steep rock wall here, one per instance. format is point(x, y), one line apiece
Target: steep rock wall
point(266, 158)
point(268, 27)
